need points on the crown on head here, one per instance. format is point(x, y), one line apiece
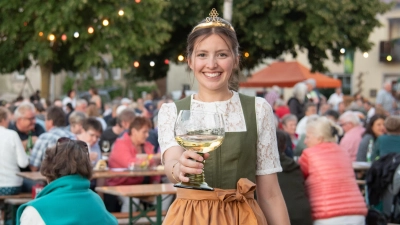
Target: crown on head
point(212, 21)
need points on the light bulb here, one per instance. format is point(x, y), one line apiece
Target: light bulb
point(121, 12)
point(76, 34)
point(105, 23)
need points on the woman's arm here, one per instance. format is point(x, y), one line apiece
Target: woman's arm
point(270, 199)
point(363, 148)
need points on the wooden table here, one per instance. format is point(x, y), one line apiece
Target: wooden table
point(37, 176)
point(361, 165)
point(141, 190)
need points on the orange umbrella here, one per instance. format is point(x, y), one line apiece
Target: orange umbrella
point(287, 74)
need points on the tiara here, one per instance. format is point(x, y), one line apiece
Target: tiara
point(212, 21)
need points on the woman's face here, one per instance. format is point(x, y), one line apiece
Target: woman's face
point(139, 136)
point(311, 139)
point(290, 127)
point(378, 127)
point(212, 63)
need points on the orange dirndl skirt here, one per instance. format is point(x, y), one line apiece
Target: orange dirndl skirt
point(222, 207)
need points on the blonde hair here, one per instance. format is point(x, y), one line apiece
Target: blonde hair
point(324, 128)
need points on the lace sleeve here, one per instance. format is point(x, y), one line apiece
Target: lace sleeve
point(267, 149)
point(166, 122)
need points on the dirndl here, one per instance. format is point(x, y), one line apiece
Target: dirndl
point(222, 207)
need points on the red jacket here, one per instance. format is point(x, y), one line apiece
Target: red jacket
point(330, 182)
point(122, 154)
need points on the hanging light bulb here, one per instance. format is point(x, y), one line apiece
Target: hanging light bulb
point(64, 37)
point(365, 54)
point(51, 37)
point(181, 58)
point(90, 30)
point(246, 54)
point(136, 64)
point(152, 63)
point(121, 12)
point(166, 61)
point(40, 33)
point(105, 23)
point(76, 34)
point(342, 50)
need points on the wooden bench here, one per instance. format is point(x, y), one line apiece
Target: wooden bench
point(20, 195)
point(14, 203)
point(123, 217)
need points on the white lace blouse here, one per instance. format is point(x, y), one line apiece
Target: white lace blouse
point(267, 150)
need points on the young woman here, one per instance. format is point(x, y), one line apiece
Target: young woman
point(249, 152)
point(374, 129)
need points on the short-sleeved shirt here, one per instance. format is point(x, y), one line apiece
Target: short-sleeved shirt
point(385, 99)
point(38, 130)
point(267, 150)
point(45, 141)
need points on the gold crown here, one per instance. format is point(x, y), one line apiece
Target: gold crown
point(212, 21)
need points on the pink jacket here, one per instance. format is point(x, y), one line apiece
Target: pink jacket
point(330, 182)
point(123, 153)
point(351, 140)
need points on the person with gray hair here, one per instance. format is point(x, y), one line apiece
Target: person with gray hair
point(296, 102)
point(81, 105)
point(353, 130)
point(313, 94)
point(385, 100)
point(25, 123)
point(75, 122)
point(327, 170)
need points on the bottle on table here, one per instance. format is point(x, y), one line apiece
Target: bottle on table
point(29, 144)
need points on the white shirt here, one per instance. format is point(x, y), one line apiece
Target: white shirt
point(12, 156)
point(30, 216)
point(301, 126)
point(335, 99)
point(67, 100)
point(267, 150)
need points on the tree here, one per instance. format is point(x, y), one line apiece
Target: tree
point(269, 28)
point(73, 35)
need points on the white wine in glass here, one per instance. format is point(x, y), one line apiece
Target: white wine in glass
point(105, 146)
point(201, 132)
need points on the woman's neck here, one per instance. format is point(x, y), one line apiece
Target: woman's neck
point(212, 96)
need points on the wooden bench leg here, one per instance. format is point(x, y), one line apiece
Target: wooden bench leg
point(158, 209)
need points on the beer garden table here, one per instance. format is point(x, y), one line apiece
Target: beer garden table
point(141, 190)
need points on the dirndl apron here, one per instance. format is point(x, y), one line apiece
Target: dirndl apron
point(231, 171)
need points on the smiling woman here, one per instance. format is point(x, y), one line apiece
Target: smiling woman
point(248, 155)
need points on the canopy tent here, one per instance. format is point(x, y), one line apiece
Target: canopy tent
point(287, 74)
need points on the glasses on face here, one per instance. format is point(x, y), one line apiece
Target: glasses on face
point(30, 119)
point(81, 144)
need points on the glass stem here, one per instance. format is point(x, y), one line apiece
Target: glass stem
point(196, 179)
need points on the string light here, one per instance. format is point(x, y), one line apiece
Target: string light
point(40, 33)
point(76, 34)
point(246, 54)
point(181, 58)
point(342, 50)
point(136, 64)
point(105, 23)
point(51, 37)
point(121, 12)
point(137, 1)
point(166, 61)
point(64, 37)
point(152, 63)
point(389, 58)
point(90, 30)
point(365, 54)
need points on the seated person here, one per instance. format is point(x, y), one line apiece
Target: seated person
point(125, 152)
point(291, 182)
point(90, 134)
point(389, 142)
point(67, 199)
point(329, 177)
point(12, 156)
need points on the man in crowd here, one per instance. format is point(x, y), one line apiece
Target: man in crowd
point(55, 125)
point(25, 123)
point(353, 130)
point(385, 100)
point(90, 134)
point(124, 119)
point(76, 120)
point(81, 105)
point(310, 109)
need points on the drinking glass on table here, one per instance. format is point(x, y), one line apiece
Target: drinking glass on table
point(105, 145)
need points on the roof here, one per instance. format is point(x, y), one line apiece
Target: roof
point(287, 74)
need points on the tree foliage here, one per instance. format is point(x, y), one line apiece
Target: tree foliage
point(26, 26)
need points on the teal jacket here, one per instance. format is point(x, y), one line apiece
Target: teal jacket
point(385, 144)
point(69, 200)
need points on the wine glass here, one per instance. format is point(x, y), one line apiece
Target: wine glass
point(201, 132)
point(105, 145)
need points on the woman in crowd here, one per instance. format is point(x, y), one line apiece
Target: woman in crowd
point(333, 192)
point(125, 152)
point(374, 129)
point(248, 154)
point(95, 97)
point(93, 111)
point(67, 199)
point(12, 156)
point(390, 141)
point(296, 102)
point(289, 123)
point(291, 181)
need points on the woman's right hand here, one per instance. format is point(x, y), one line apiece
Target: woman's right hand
point(188, 165)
